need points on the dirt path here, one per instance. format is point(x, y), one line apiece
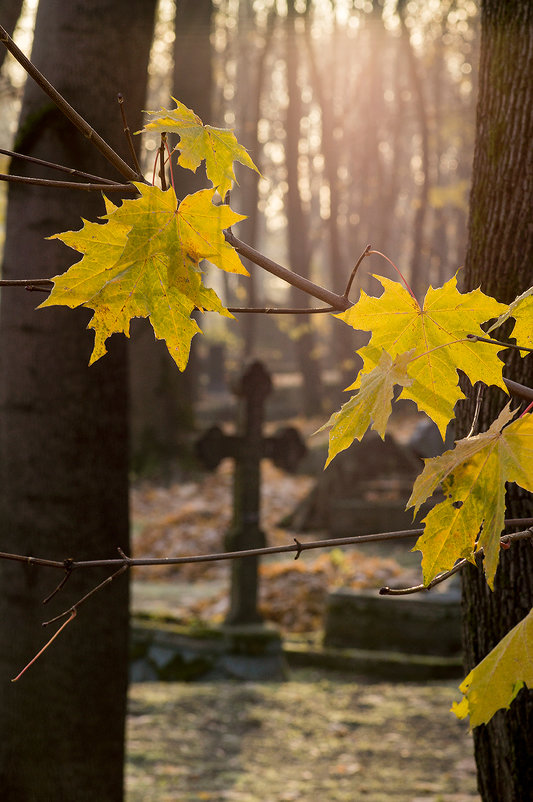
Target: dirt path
point(321, 737)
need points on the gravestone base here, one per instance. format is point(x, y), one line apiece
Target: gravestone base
point(428, 623)
point(165, 651)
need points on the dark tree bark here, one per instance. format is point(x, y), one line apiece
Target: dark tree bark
point(500, 259)
point(9, 15)
point(63, 428)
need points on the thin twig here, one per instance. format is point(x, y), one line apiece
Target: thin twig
point(68, 574)
point(60, 167)
point(338, 302)
point(162, 153)
point(45, 647)
point(70, 113)
point(269, 310)
point(505, 541)
point(106, 581)
point(24, 282)
point(476, 338)
point(355, 269)
point(232, 555)
point(127, 132)
point(49, 182)
point(479, 399)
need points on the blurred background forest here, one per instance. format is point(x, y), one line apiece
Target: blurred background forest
point(360, 117)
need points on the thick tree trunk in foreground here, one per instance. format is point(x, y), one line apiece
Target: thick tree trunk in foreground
point(500, 259)
point(63, 429)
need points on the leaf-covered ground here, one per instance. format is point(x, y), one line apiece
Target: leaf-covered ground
point(320, 737)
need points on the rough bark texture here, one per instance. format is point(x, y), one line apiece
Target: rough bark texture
point(63, 429)
point(500, 259)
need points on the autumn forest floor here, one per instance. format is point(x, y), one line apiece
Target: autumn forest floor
point(320, 737)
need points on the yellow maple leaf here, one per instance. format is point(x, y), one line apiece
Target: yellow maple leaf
point(496, 680)
point(218, 146)
point(438, 332)
point(144, 262)
point(473, 477)
point(522, 311)
point(371, 404)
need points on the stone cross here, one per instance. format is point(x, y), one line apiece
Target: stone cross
point(247, 448)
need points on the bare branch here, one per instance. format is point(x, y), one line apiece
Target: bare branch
point(505, 542)
point(24, 282)
point(75, 607)
point(519, 390)
point(127, 133)
point(233, 555)
point(338, 302)
point(269, 310)
point(49, 182)
point(53, 166)
point(355, 269)
point(70, 113)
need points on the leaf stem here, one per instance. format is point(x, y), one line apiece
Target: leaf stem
point(410, 291)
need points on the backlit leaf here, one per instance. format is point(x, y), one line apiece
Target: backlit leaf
point(522, 310)
point(473, 477)
point(437, 332)
point(218, 146)
point(144, 262)
point(370, 406)
point(495, 682)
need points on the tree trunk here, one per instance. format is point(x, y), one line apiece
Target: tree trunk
point(297, 230)
point(63, 428)
point(500, 258)
point(9, 16)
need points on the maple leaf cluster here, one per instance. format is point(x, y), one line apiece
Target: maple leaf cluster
point(144, 259)
point(421, 348)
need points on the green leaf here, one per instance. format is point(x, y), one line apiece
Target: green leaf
point(437, 332)
point(522, 311)
point(495, 682)
point(371, 405)
point(144, 262)
point(218, 146)
point(473, 477)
